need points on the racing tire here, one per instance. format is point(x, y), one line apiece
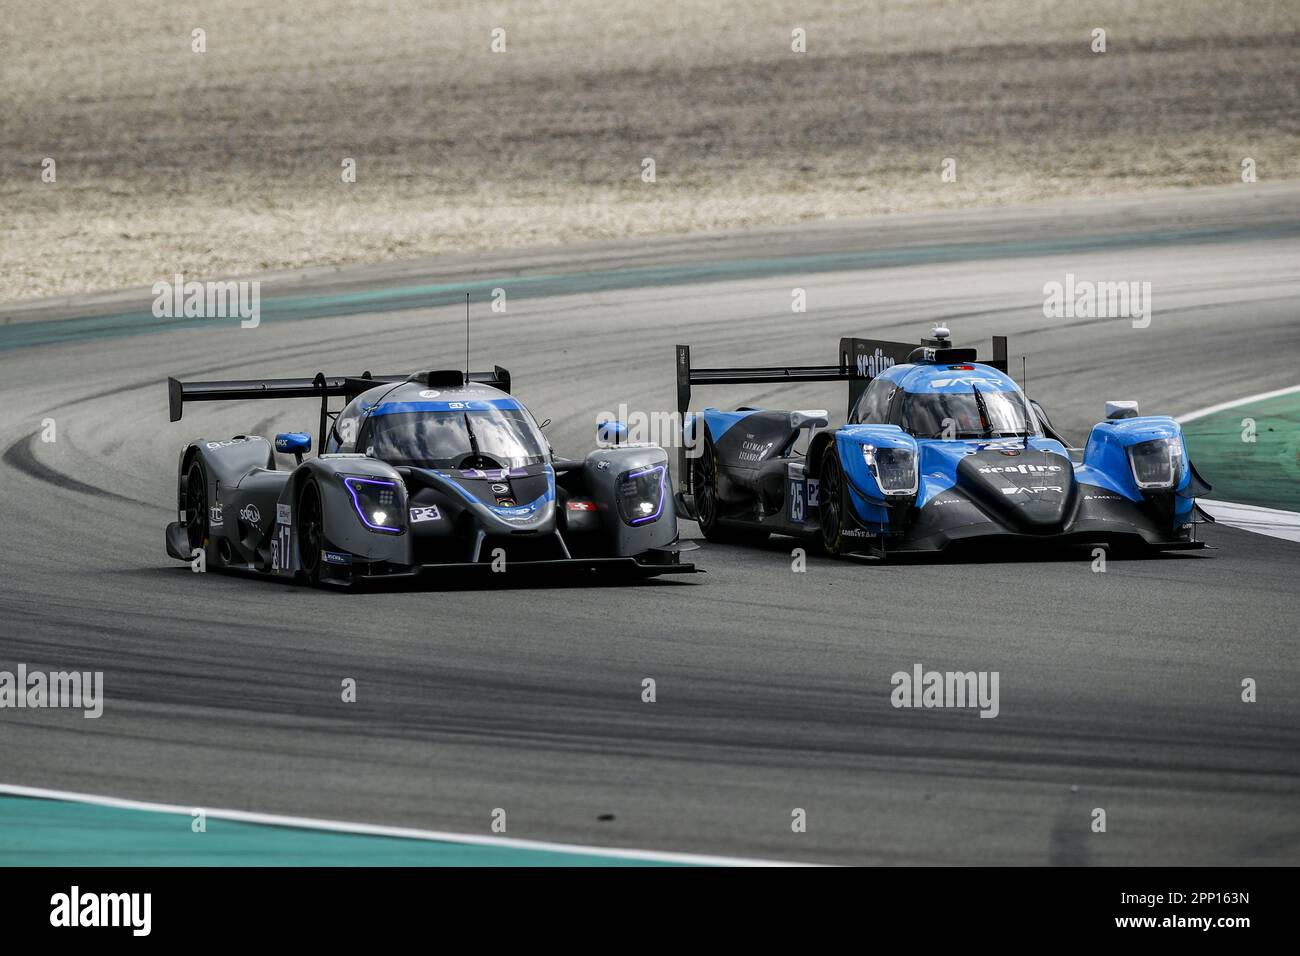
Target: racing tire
point(311, 531)
point(196, 504)
point(708, 505)
point(832, 501)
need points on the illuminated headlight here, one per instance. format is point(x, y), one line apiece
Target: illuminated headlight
point(375, 502)
point(1157, 464)
point(641, 494)
point(893, 468)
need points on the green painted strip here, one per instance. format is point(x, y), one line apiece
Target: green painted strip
point(1265, 472)
point(36, 832)
point(27, 334)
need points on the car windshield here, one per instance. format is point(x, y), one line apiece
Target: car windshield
point(482, 437)
point(979, 413)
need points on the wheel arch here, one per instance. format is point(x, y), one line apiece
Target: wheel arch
point(817, 451)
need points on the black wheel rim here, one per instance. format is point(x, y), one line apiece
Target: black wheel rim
point(310, 531)
point(829, 500)
point(196, 506)
point(706, 502)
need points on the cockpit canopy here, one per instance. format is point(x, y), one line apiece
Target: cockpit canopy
point(947, 401)
point(471, 427)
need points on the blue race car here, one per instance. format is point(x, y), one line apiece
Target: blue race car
point(939, 450)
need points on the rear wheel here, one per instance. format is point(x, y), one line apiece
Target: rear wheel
point(708, 504)
point(830, 504)
point(311, 530)
point(196, 505)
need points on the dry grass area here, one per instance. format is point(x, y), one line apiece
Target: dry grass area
point(228, 162)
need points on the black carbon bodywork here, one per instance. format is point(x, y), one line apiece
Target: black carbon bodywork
point(347, 515)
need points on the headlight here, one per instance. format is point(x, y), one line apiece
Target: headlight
point(1157, 464)
point(641, 494)
point(893, 468)
point(376, 503)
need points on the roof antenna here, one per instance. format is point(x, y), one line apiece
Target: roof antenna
point(466, 338)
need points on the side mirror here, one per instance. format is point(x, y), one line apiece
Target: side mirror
point(1121, 410)
point(809, 418)
point(610, 432)
point(293, 443)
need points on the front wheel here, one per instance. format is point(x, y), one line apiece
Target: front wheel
point(196, 505)
point(311, 530)
point(831, 502)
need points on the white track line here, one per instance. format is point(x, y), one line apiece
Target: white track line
point(1270, 521)
point(1261, 520)
point(371, 829)
point(1224, 406)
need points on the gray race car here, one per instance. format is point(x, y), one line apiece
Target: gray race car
point(421, 473)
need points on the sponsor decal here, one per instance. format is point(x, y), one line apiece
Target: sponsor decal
point(250, 514)
point(430, 393)
point(430, 513)
point(858, 533)
point(602, 465)
point(1020, 469)
point(1021, 490)
point(754, 450)
point(283, 514)
point(215, 515)
point(965, 380)
point(500, 489)
point(240, 440)
point(1102, 498)
point(873, 364)
point(335, 557)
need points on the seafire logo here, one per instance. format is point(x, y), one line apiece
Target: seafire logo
point(869, 366)
point(1020, 469)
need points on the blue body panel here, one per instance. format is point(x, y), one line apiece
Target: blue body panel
point(1105, 464)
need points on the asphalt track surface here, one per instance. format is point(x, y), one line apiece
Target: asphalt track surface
point(1119, 690)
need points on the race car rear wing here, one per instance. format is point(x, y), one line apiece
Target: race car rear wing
point(860, 360)
point(322, 387)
